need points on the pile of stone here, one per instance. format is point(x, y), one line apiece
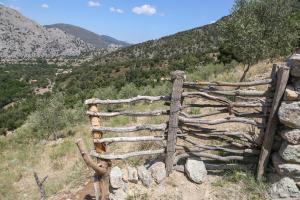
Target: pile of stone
point(286, 160)
point(119, 179)
point(148, 176)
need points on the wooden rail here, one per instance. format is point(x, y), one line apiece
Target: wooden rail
point(218, 83)
point(142, 127)
point(125, 101)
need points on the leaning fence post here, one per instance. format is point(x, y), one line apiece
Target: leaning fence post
point(177, 78)
point(100, 148)
point(282, 80)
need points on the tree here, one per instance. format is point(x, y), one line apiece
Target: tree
point(258, 29)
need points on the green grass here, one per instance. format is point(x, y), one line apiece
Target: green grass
point(251, 188)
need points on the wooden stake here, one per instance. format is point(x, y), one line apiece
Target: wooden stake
point(282, 80)
point(178, 79)
point(40, 185)
point(100, 148)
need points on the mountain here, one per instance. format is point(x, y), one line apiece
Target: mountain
point(98, 41)
point(22, 38)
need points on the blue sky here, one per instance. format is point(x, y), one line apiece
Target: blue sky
point(129, 20)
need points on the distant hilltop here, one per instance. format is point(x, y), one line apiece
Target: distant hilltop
point(98, 41)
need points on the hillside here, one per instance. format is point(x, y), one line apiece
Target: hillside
point(22, 38)
point(198, 41)
point(98, 41)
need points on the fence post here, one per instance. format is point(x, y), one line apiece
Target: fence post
point(177, 78)
point(282, 80)
point(103, 180)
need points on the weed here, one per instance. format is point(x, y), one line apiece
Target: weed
point(138, 197)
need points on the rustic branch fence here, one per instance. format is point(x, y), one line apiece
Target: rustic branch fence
point(237, 117)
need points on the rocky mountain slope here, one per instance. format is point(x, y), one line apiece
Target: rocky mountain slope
point(22, 38)
point(98, 41)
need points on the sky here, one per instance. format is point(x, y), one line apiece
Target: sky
point(133, 21)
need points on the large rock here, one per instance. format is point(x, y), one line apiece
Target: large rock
point(284, 188)
point(292, 136)
point(294, 63)
point(133, 175)
point(115, 178)
point(286, 169)
point(289, 114)
point(195, 170)
point(158, 171)
point(144, 176)
point(290, 94)
point(290, 152)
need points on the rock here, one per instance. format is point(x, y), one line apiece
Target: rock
point(290, 94)
point(118, 194)
point(125, 175)
point(289, 114)
point(290, 152)
point(144, 176)
point(294, 63)
point(292, 136)
point(195, 170)
point(158, 171)
point(286, 169)
point(133, 175)
point(284, 188)
point(296, 84)
point(116, 178)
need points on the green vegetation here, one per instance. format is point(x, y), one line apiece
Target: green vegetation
point(253, 189)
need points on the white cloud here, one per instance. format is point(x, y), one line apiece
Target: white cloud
point(1, 3)
point(144, 9)
point(44, 5)
point(93, 4)
point(212, 22)
point(116, 10)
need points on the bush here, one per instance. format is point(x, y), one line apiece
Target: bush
point(52, 116)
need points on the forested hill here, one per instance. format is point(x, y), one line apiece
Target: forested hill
point(196, 41)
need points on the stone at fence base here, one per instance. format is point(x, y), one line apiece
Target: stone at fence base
point(286, 169)
point(144, 176)
point(119, 194)
point(133, 175)
point(116, 177)
point(289, 114)
point(292, 136)
point(195, 170)
point(283, 188)
point(296, 84)
point(158, 171)
point(290, 94)
point(125, 175)
point(294, 63)
point(290, 153)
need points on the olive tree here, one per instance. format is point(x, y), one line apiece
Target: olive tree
point(258, 29)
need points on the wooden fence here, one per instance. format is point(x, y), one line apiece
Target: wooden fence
point(228, 131)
